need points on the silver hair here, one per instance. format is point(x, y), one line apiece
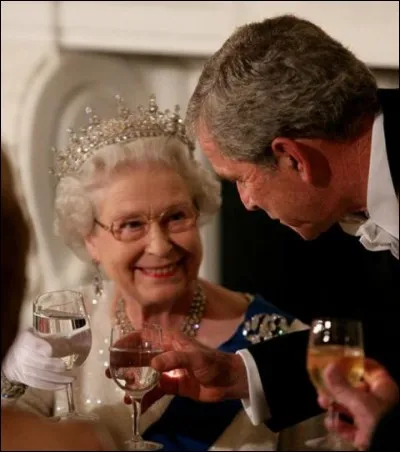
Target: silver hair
point(77, 195)
point(284, 77)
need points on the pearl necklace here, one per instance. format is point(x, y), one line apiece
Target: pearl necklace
point(190, 324)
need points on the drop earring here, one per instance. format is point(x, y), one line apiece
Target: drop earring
point(98, 280)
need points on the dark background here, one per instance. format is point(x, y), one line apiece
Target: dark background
point(333, 275)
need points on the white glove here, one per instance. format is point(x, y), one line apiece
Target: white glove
point(31, 361)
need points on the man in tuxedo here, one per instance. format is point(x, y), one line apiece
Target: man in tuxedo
point(296, 121)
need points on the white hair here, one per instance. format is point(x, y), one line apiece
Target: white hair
point(77, 194)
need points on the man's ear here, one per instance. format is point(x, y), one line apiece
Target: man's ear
point(290, 155)
point(90, 242)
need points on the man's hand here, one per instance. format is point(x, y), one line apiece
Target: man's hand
point(365, 404)
point(192, 370)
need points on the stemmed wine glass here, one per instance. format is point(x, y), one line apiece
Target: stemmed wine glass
point(334, 340)
point(60, 318)
point(130, 356)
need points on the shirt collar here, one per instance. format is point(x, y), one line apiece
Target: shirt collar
point(382, 202)
point(381, 230)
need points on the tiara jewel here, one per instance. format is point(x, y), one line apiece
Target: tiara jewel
point(127, 126)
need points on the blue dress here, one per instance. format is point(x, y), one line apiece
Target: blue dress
point(189, 425)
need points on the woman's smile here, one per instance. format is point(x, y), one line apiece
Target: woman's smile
point(161, 272)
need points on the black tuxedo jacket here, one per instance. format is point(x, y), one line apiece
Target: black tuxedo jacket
point(331, 276)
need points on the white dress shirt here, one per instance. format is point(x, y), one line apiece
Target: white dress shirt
point(379, 232)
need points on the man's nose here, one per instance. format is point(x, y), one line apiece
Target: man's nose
point(158, 241)
point(245, 197)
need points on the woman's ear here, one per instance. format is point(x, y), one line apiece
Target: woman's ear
point(91, 247)
point(290, 156)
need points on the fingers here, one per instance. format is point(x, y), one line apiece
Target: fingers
point(132, 339)
point(47, 381)
point(374, 372)
point(380, 382)
point(325, 403)
point(172, 360)
point(50, 376)
point(55, 377)
point(33, 344)
point(350, 433)
point(345, 430)
point(50, 365)
point(340, 389)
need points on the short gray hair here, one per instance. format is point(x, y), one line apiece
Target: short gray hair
point(77, 194)
point(283, 76)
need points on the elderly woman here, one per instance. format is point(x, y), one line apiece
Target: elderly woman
point(131, 197)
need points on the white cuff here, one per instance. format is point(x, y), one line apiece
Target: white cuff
point(256, 405)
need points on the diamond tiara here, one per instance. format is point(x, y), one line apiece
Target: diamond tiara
point(127, 126)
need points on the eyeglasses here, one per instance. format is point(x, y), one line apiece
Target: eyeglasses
point(175, 219)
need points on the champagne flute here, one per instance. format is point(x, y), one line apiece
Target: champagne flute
point(130, 356)
point(334, 340)
point(61, 319)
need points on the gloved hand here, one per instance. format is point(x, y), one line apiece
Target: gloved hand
point(31, 361)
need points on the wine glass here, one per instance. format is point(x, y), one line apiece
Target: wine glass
point(334, 340)
point(130, 356)
point(61, 319)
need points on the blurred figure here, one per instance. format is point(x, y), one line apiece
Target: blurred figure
point(14, 249)
point(21, 430)
point(374, 408)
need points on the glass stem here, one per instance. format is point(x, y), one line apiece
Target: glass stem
point(137, 408)
point(331, 413)
point(70, 398)
point(333, 437)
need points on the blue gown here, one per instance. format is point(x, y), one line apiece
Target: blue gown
point(189, 425)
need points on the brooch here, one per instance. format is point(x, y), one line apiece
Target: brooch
point(262, 327)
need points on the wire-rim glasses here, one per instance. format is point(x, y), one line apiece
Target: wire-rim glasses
point(175, 219)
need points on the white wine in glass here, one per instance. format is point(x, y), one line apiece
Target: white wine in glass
point(337, 341)
point(130, 357)
point(60, 318)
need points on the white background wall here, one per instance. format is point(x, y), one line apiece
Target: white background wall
point(30, 30)
point(163, 45)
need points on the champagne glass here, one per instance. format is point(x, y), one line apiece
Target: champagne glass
point(130, 356)
point(334, 340)
point(61, 319)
